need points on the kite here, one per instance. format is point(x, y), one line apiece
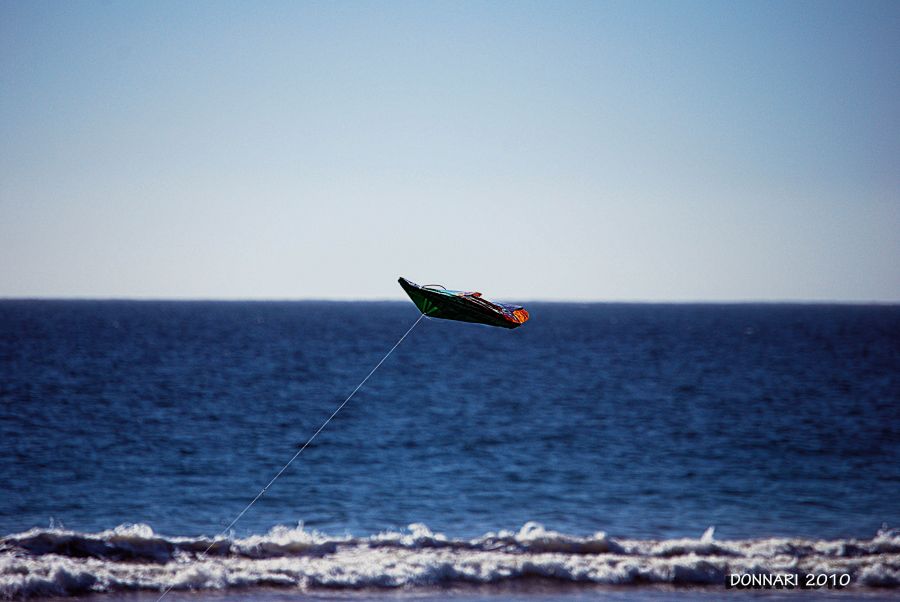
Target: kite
point(435, 301)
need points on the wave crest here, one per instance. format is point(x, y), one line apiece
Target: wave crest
point(58, 562)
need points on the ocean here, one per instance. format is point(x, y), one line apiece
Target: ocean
point(622, 451)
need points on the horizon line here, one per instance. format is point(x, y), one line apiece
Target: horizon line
point(623, 301)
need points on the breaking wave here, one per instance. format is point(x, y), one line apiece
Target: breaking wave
point(57, 562)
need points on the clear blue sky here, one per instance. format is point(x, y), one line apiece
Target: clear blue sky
point(552, 150)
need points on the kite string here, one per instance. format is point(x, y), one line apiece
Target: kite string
point(305, 445)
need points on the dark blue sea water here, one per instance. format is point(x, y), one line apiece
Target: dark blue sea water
point(644, 421)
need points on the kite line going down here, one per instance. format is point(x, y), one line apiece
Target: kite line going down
point(300, 451)
point(445, 304)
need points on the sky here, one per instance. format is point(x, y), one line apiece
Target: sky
point(597, 151)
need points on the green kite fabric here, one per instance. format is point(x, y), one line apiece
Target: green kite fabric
point(436, 301)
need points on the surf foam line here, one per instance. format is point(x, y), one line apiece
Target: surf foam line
point(55, 562)
point(304, 446)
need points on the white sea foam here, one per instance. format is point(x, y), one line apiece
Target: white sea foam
point(57, 562)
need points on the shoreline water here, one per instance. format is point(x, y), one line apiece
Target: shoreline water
point(539, 591)
point(42, 563)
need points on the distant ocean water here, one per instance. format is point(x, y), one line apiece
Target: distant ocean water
point(597, 444)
